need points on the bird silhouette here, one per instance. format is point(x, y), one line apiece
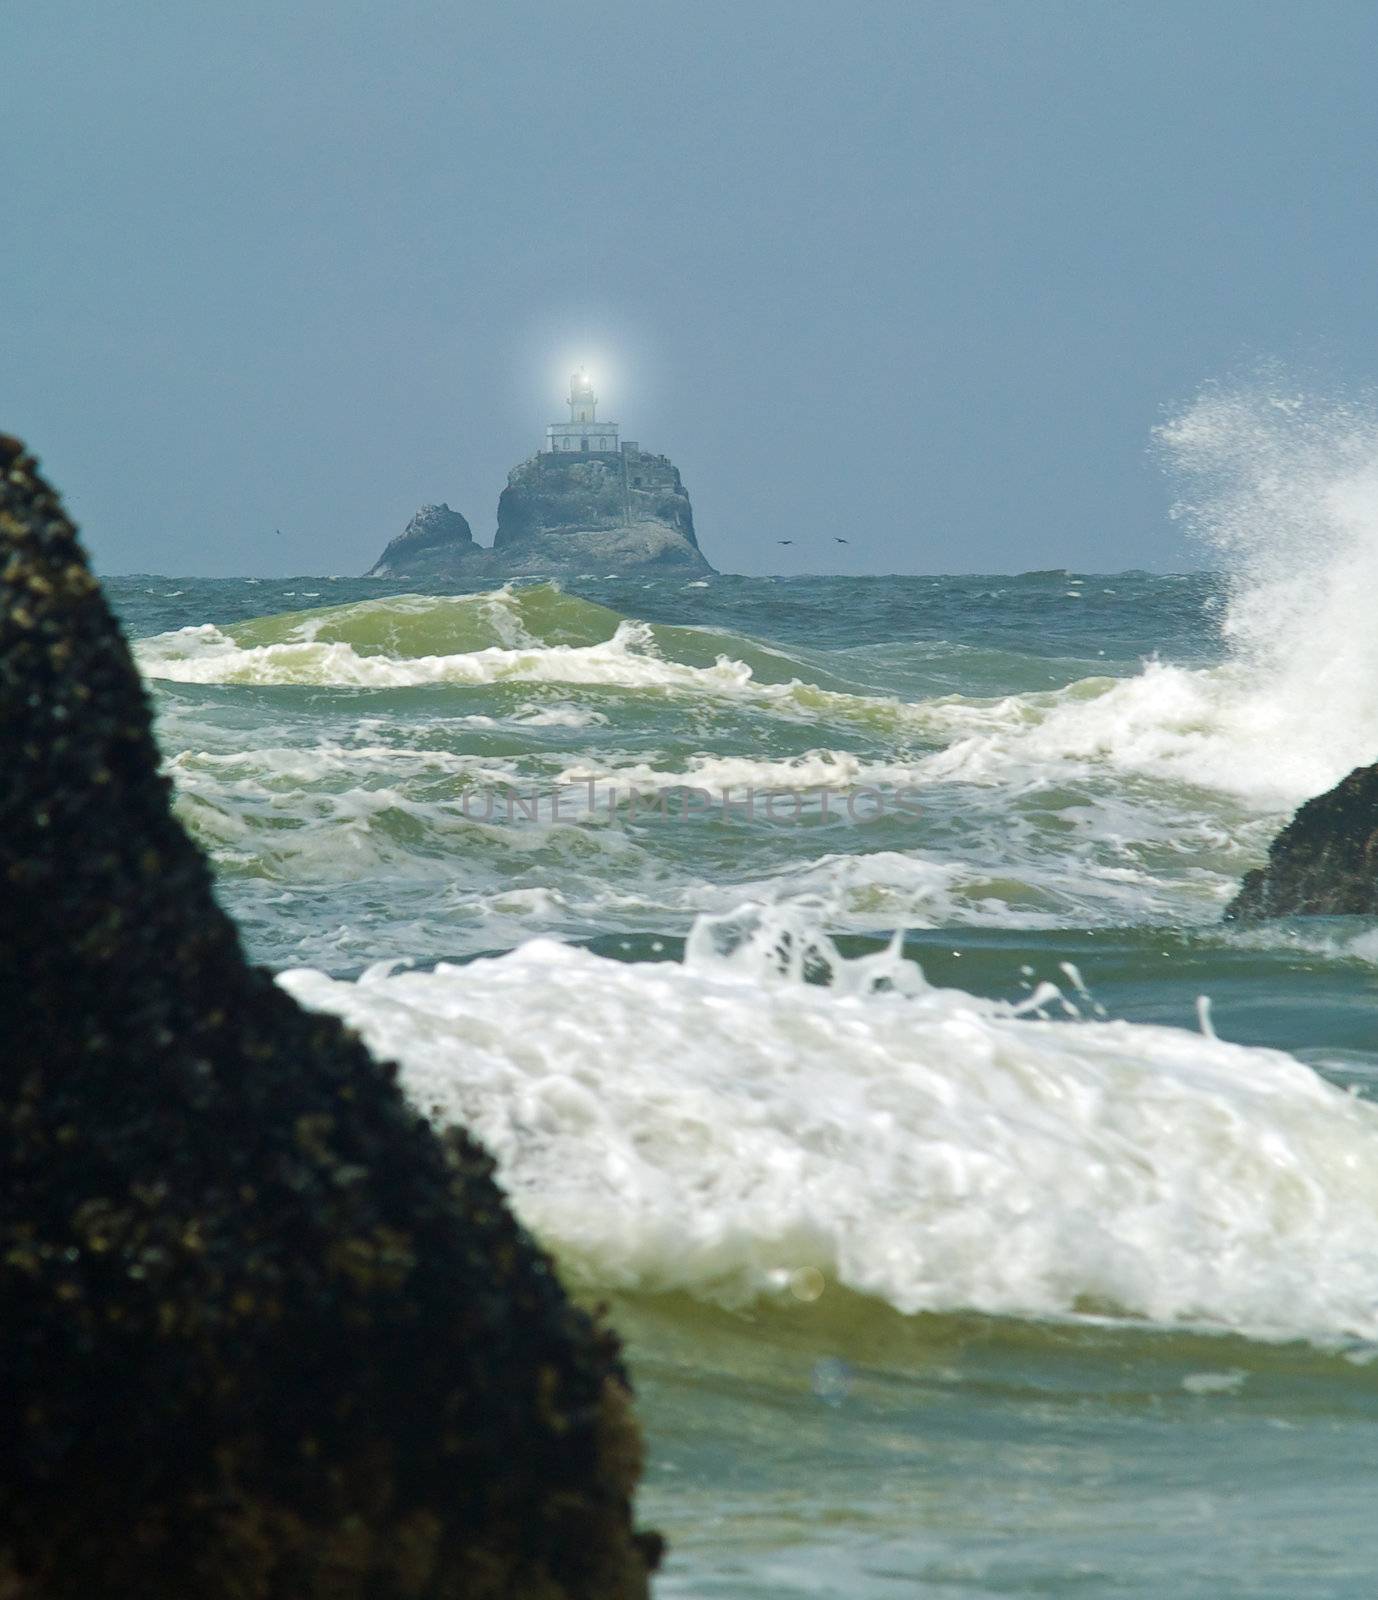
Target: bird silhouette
point(841, 541)
point(784, 541)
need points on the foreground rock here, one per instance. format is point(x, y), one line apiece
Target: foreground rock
point(563, 516)
point(263, 1335)
point(1324, 863)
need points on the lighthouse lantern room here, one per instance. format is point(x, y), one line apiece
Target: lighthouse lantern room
point(583, 431)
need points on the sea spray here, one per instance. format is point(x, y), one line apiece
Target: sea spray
point(1281, 489)
point(1284, 487)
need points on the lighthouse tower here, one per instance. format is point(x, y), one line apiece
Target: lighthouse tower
point(583, 431)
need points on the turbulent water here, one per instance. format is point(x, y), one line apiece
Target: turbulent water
point(835, 968)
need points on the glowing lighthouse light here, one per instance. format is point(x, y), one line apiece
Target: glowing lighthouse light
point(583, 431)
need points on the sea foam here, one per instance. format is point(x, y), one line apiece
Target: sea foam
point(725, 1128)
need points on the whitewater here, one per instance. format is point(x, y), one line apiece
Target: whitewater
point(889, 1132)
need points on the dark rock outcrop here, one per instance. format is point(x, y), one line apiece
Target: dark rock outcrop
point(1324, 863)
point(599, 513)
point(263, 1335)
point(433, 531)
point(562, 515)
point(554, 493)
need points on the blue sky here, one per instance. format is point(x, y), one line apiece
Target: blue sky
point(925, 275)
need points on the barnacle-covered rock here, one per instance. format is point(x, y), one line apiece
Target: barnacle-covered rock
point(1324, 863)
point(261, 1333)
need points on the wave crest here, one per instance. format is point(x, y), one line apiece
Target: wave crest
point(725, 1128)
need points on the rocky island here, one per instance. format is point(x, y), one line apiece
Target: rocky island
point(585, 504)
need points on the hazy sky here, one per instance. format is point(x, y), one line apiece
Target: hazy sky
point(922, 274)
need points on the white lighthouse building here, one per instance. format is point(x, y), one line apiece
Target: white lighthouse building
point(583, 431)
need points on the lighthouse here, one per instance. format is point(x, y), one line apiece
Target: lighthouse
point(583, 431)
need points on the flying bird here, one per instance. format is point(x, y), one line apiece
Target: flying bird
point(841, 541)
point(784, 541)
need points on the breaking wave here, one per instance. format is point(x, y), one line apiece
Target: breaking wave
point(725, 1128)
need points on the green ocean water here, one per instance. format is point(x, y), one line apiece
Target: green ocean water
point(835, 968)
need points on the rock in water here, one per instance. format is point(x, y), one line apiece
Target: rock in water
point(561, 516)
point(435, 532)
point(263, 1333)
point(1324, 863)
point(630, 510)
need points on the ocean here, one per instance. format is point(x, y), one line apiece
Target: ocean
point(835, 968)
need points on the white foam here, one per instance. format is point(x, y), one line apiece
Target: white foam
point(561, 716)
point(1212, 728)
point(875, 890)
point(834, 770)
point(721, 1127)
point(629, 660)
